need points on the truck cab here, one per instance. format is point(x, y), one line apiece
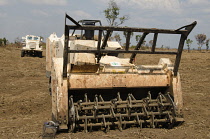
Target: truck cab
point(31, 45)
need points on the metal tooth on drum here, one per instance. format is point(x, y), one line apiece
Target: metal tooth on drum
point(119, 113)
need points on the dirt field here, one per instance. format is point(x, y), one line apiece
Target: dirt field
point(25, 103)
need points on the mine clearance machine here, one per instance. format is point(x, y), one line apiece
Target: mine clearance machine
point(31, 46)
point(91, 87)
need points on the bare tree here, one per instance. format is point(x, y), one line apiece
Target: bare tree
point(125, 34)
point(112, 14)
point(138, 37)
point(116, 37)
point(207, 44)
point(200, 38)
point(150, 43)
point(188, 42)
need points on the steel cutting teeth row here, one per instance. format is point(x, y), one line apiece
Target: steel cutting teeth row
point(119, 113)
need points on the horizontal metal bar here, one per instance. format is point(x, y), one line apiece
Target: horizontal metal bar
point(125, 115)
point(72, 20)
point(117, 102)
point(124, 122)
point(122, 106)
point(131, 29)
point(121, 51)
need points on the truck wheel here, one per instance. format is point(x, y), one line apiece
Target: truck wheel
point(22, 53)
point(40, 54)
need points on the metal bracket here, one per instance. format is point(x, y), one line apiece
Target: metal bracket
point(49, 129)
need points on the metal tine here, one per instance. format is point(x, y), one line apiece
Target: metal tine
point(173, 105)
point(118, 97)
point(156, 123)
point(169, 118)
point(85, 128)
point(91, 127)
point(101, 98)
point(163, 96)
point(104, 122)
point(149, 96)
point(152, 121)
point(129, 101)
point(77, 114)
point(124, 126)
point(138, 121)
point(129, 104)
point(120, 123)
point(86, 98)
point(112, 111)
point(96, 101)
point(160, 99)
point(107, 129)
point(144, 109)
point(95, 107)
point(133, 98)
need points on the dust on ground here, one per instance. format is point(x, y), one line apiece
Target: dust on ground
point(25, 103)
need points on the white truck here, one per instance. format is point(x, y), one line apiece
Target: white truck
point(31, 46)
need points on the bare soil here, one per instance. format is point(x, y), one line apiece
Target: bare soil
point(25, 103)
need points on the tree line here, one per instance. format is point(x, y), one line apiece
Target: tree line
point(112, 15)
point(3, 41)
point(201, 40)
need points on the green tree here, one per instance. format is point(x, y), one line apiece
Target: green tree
point(138, 38)
point(188, 42)
point(3, 41)
point(200, 38)
point(112, 14)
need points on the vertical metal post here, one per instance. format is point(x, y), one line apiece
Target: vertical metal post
point(154, 42)
point(189, 28)
point(138, 46)
point(65, 51)
point(99, 43)
point(179, 54)
point(127, 41)
point(104, 44)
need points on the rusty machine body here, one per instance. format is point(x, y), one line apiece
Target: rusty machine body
point(91, 87)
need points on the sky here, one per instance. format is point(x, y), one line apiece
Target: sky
point(19, 18)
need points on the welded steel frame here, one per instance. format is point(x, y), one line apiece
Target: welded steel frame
point(183, 31)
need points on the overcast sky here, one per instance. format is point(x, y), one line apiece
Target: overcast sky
point(43, 17)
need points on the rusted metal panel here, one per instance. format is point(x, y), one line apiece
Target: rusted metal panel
point(59, 94)
point(135, 80)
point(77, 81)
point(177, 91)
point(62, 99)
point(119, 80)
point(84, 68)
point(90, 81)
point(54, 94)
